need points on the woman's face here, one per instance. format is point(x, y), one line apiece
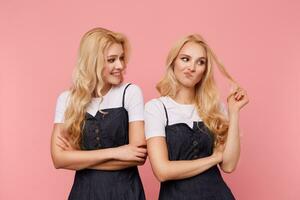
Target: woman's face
point(114, 64)
point(190, 64)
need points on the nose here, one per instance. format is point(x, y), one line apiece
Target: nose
point(192, 66)
point(119, 65)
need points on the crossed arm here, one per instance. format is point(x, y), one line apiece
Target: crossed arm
point(64, 156)
point(164, 169)
point(226, 156)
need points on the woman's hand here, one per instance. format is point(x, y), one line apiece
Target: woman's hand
point(64, 144)
point(131, 153)
point(237, 99)
point(218, 152)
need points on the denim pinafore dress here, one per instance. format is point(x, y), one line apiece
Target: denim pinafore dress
point(186, 143)
point(107, 131)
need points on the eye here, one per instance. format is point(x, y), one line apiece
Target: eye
point(202, 62)
point(111, 60)
point(122, 58)
point(185, 59)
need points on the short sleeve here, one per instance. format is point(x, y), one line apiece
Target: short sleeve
point(155, 119)
point(61, 105)
point(134, 103)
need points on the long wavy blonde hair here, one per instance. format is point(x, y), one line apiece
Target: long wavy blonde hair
point(207, 98)
point(87, 77)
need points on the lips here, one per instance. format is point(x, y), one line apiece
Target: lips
point(117, 74)
point(188, 75)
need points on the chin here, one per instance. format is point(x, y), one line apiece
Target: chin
point(187, 83)
point(116, 81)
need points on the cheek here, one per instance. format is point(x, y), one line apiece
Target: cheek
point(200, 73)
point(177, 71)
point(178, 65)
point(107, 68)
point(106, 72)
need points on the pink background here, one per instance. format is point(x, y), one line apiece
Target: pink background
point(257, 40)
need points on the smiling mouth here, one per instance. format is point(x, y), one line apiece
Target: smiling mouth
point(116, 73)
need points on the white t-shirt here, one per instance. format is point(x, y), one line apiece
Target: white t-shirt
point(133, 102)
point(155, 116)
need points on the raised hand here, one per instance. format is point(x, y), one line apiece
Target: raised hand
point(237, 99)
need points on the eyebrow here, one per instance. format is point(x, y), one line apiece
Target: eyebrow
point(113, 56)
point(184, 55)
point(190, 56)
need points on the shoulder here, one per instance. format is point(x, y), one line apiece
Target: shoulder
point(133, 88)
point(155, 118)
point(61, 105)
point(154, 104)
point(130, 88)
point(133, 93)
point(159, 102)
point(63, 97)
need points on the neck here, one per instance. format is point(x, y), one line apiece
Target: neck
point(185, 95)
point(104, 90)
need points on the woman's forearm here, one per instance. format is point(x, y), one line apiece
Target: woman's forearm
point(231, 152)
point(173, 170)
point(78, 159)
point(65, 156)
point(115, 165)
